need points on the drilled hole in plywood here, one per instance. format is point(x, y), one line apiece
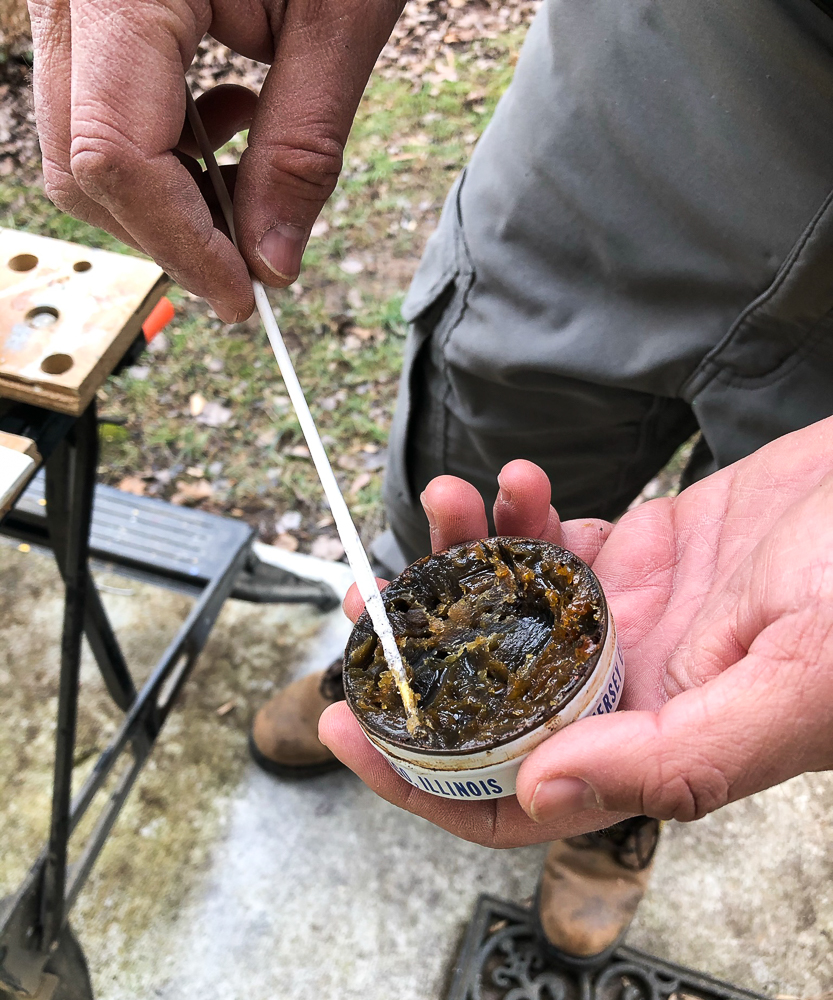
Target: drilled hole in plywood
point(81, 265)
point(56, 364)
point(42, 316)
point(23, 262)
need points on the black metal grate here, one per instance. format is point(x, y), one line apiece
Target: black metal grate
point(501, 959)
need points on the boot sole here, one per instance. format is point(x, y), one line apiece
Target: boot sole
point(297, 771)
point(578, 963)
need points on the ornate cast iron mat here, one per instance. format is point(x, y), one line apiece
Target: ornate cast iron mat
point(500, 960)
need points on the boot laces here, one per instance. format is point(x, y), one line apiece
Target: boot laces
point(332, 683)
point(631, 843)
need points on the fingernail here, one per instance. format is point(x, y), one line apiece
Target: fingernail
point(281, 250)
point(429, 513)
point(226, 314)
point(561, 797)
point(504, 495)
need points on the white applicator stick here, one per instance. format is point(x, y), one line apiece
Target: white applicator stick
point(356, 555)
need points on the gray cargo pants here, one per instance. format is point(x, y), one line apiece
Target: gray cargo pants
point(641, 245)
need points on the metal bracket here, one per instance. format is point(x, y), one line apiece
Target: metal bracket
point(501, 959)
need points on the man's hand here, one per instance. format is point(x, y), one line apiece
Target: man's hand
point(723, 598)
point(110, 106)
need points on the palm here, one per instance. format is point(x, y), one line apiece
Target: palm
point(682, 575)
point(722, 599)
point(661, 568)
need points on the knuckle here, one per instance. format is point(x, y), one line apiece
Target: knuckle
point(102, 168)
point(685, 793)
point(312, 169)
point(61, 189)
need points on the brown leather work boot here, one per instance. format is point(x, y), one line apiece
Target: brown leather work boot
point(284, 735)
point(590, 889)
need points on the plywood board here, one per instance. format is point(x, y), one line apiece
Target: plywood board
point(67, 315)
point(16, 469)
point(14, 442)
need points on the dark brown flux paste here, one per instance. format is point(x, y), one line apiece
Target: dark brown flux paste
point(495, 635)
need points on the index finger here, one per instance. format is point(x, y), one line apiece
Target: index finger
point(125, 125)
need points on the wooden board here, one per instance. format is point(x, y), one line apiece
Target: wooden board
point(67, 315)
point(19, 461)
point(14, 442)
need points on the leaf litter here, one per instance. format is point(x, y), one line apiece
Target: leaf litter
point(208, 400)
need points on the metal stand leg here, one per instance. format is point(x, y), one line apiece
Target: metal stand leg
point(34, 922)
point(59, 501)
point(70, 476)
point(39, 959)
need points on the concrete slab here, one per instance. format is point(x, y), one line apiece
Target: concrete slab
point(219, 881)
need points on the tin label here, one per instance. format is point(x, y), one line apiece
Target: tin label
point(497, 781)
point(609, 697)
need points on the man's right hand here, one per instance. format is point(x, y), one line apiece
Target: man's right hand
point(110, 106)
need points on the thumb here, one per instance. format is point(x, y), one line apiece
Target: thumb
point(324, 55)
point(745, 730)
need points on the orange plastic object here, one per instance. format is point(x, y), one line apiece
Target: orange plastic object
point(161, 314)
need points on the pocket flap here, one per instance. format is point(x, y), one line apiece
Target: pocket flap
point(436, 271)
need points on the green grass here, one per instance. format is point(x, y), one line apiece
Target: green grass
point(344, 331)
point(23, 207)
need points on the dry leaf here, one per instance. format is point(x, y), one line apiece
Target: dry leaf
point(192, 493)
point(134, 485)
point(159, 344)
point(196, 404)
point(290, 521)
point(299, 451)
point(286, 541)
point(359, 483)
point(329, 403)
point(214, 415)
point(195, 471)
point(373, 462)
point(327, 547)
point(266, 439)
point(351, 265)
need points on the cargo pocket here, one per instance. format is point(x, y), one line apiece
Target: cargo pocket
point(773, 371)
point(434, 305)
